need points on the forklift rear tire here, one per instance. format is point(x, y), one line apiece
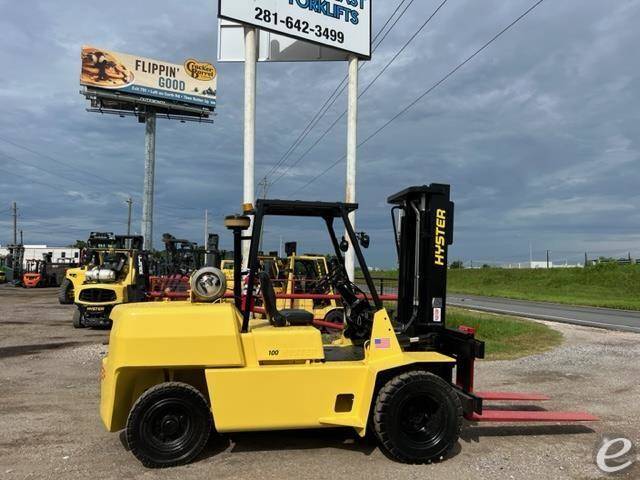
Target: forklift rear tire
point(417, 417)
point(77, 319)
point(169, 425)
point(65, 293)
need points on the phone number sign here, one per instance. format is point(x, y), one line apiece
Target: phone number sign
point(341, 24)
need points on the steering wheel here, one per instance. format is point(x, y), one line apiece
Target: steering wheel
point(358, 309)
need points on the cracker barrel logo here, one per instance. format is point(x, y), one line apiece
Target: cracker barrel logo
point(200, 70)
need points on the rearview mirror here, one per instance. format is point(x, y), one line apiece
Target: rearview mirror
point(364, 239)
point(344, 245)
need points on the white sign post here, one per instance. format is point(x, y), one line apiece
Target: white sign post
point(338, 27)
point(352, 148)
point(250, 64)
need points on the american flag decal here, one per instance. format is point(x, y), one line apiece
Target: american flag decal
point(382, 342)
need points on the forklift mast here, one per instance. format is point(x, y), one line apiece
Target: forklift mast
point(425, 232)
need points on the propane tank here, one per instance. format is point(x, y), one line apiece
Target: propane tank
point(103, 275)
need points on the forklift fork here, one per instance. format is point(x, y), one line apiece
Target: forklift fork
point(465, 377)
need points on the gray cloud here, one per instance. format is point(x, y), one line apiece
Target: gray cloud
point(538, 135)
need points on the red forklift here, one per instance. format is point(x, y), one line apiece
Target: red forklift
point(45, 273)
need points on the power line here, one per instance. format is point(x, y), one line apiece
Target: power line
point(37, 167)
point(333, 97)
point(407, 43)
point(424, 94)
point(398, 7)
point(375, 47)
point(83, 184)
point(57, 189)
point(31, 180)
point(366, 89)
point(60, 162)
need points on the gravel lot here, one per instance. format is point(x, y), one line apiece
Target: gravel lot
point(50, 427)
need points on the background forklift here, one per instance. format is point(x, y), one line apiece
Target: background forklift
point(176, 371)
point(45, 273)
point(90, 256)
point(115, 273)
point(179, 260)
point(309, 274)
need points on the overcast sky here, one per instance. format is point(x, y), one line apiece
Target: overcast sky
point(538, 135)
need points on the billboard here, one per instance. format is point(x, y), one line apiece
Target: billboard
point(193, 83)
point(341, 24)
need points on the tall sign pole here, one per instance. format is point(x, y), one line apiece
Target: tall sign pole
point(352, 148)
point(149, 179)
point(250, 64)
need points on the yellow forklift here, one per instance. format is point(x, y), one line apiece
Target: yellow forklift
point(117, 272)
point(308, 276)
point(177, 372)
point(90, 257)
point(269, 263)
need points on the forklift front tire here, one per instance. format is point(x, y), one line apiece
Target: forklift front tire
point(169, 425)
point(65, 292)
point(417, 417)
point(77, 319)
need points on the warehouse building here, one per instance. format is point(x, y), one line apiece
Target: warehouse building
point(58, 254)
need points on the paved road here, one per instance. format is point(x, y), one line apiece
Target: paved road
point(611, 319)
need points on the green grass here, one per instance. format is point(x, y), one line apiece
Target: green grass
point(604, 285)
point(506, 337)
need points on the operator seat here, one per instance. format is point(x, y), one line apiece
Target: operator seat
point(281, 318)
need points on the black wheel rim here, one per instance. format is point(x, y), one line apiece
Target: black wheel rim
point(168, 427)
point(422, 420)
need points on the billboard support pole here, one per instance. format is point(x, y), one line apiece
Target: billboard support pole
point(352, 147)
point(250, 65)
point(149, 179)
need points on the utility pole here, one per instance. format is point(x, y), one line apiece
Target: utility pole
point(21, 238)
point(250, 67)
point(352, 147)
point(265, 187)
point(130, 203)
point(149, 179)
point(530, 254)
point(15, 222)
point(547, 258)
point(586, 260)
